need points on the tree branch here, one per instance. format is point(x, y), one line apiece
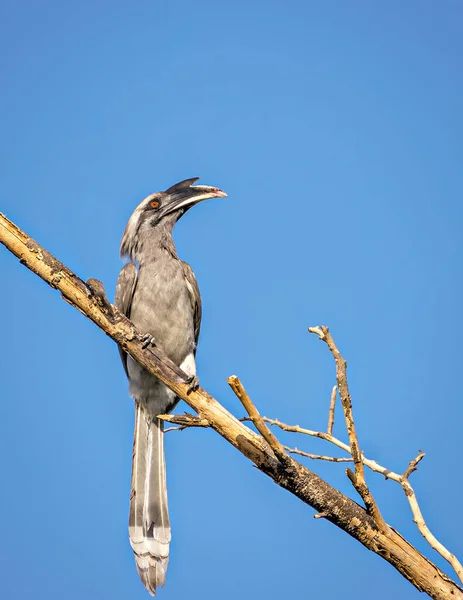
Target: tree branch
point(329, 429)
point(187, 421)
point(255, 417)
point(357, 478)
point(300, 481)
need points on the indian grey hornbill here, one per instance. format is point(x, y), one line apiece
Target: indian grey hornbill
point(158, 292)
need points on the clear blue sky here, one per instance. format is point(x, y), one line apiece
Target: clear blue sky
point(336, 129)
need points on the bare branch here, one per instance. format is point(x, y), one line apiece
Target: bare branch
point(332, 408)
point(413, 465)
point(419, 519)
point(300, 481)
point(358, 480)
point(255, 417)
point(316, 456)
point(185, 420)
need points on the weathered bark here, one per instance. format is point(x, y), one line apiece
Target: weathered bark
point(294, 477)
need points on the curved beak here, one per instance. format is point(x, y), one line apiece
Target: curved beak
point(184, 195)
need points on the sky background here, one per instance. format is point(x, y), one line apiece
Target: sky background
point(336, 129)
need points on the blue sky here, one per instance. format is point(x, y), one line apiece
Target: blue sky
point(336, 129)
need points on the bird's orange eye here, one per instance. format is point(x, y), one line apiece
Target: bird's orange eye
point(154, 203)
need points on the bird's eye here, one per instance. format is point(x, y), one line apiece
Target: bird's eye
point(154, 203)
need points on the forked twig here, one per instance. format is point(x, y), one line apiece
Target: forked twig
point(357, 478)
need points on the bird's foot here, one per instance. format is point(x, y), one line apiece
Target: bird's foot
point(193, 384)
point(148, 340)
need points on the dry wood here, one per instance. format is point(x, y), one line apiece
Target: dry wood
point(334, 391)
point(357, 478)
point(277, 448)
point(300, 481)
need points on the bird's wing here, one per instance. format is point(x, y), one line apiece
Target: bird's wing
point(125, 288)
point(195, 298)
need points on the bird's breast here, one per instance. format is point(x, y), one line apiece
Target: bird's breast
point(161, 306)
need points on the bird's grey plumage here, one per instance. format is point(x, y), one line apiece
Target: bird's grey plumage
point(160, 294)
point(125, 288)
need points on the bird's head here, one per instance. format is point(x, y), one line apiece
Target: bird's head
point(164, 209)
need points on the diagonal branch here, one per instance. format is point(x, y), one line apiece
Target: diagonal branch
point(300, 481)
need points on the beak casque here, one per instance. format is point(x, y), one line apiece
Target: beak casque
point(184, 195)
point(186, 189)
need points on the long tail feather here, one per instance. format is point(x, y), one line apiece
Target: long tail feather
point(149, 526)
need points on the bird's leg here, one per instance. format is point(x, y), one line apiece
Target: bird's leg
point(148, 340)
point(193, 384)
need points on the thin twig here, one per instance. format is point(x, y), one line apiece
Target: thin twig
point(277, 448)
point(413, 465)
point(358, 479)
point(316, 456)
point(331, 413)
point(185, 420)
point(419, 519)
point(371, 464)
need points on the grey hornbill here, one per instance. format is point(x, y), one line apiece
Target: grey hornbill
point(159, 293)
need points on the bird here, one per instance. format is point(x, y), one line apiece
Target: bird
point(159, 293)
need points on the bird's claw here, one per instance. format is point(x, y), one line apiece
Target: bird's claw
point(148, 340)
point(193, 384)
